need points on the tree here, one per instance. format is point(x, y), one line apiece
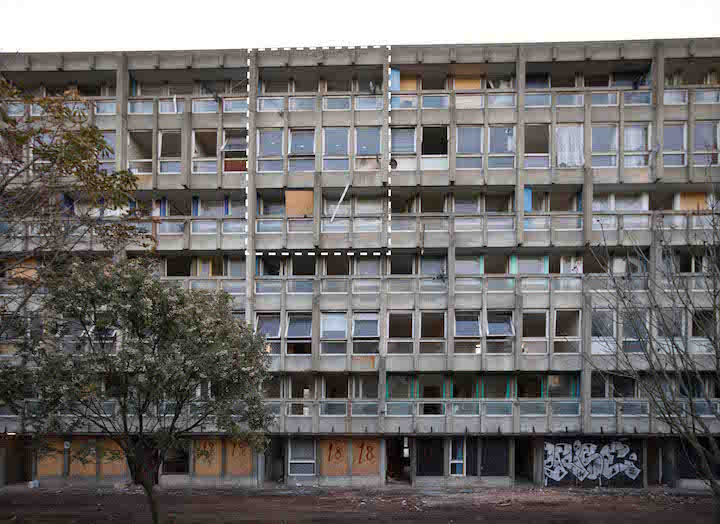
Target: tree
point(59, 193)
point(143, 363)
point(656, 310)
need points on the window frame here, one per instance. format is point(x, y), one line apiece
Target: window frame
point(330, 157)
point(672, 152)
point(262, 158)
point(605, 154)
point(645, 152)
point(512, 154)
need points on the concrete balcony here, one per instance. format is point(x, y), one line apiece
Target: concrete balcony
point(200, 234)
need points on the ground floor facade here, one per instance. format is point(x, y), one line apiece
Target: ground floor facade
point(372, 460)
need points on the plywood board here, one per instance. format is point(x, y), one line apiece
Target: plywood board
point(78, 468)
point(238, 458)
point(408, 82)
point(693, 201)
point(51, 464)
point(299, 203)
point(208, 457)
point(333, 457)
point(110, 464)
point(365, 457)
point(468, 83)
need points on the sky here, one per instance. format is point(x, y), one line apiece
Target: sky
point(84, 25)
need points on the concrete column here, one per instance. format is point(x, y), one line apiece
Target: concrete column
point(658, 99)
point(691, 136)
point(251, 192)
point(155, 142)
point(511, 460)
point(586, 370)
point(621, 137)
point(121, 82)
point(450, 321)
point(218, 148)
point(385, 133)
point(520, 147)
point(446, 457)
point(187, 141)
point(383, 461)
point(413, 460)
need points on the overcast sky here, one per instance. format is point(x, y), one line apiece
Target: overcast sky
point(84, 25)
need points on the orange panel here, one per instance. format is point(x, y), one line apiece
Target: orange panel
point(299, 203)
point(693, 201)
point(239, 458)
point(333, 458)
point(468, 83)
point(207, 457)
point(366, 457)
point(110, 464)
point(408, 82)
point(78, 468)
point(51, 464)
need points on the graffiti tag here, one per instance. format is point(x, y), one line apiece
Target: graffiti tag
point(585, 462)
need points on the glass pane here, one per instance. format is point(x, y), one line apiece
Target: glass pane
point(469, 140)
point(502, 140)
point(336, 141)
point(368, 141)
point(270, 142)
point(402, 140)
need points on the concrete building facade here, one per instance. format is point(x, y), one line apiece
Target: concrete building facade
point(409, 226)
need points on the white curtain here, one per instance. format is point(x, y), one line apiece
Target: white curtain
point(634, 138)
point(570, 146)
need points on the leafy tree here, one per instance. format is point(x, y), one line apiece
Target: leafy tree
point(59, 192)
point(141, 362)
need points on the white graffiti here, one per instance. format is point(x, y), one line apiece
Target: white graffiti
point(584, 462)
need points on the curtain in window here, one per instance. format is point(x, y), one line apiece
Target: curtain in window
point(570, 146)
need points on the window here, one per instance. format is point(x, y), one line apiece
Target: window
point(500, 324)
point(636, 145)
point(170, 146)
point(401, 264)
point(634, 330)
point(603, 324)
point(469, 147)
point(563, 386)
point(537, 146)
point(365, 325)
point(366, 386)
point(669, 323)
point(400, 332)
point(367, 266)
point(337, 265)
point(270, 150)
point(269, 324)
point(502, 147)
point(468, 265)
point(598, 385)
point(140, 152)
point(302, 142)
point(399, 386)
point(299, 325)
point(368, 205)
point(432, 265)
point(336, 145)
point(604, 146)
point(531, 265)
point(435, 140)
point(302, 457)
point(496, 386)
point(457, 457)
point(204, 152)
point(705, 144)
point(535, 332)
point(467, 324)
point(703, 324)
point(432, 326)
point(674, 145)
point(623, 387)
point(402, 140)
point(530, 386)
point(467, 203)
point(236, 267)
point(567, 331)
point(234, 151)
point(333, 326)
point(367, 141)
point(303, 265)
point(569, 144)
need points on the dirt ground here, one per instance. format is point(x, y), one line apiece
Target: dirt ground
point(391, 504)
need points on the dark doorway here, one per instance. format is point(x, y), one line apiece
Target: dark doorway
point(275, 460)
point(398, 459)
point(430, 457)
point(524, 454)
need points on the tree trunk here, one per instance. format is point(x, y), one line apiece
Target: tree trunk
point(149, 491)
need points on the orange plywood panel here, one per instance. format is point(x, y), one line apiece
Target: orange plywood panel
point(366, 457)
point(239, 458)
point(112, 465)
point(51, 464)
point(333, 457)
point(208, 457)
point(85, 448)
point(299, 203)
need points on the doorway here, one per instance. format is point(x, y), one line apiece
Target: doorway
point(398, 460)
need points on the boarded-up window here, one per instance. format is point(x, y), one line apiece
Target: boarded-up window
point(468, 82)
point(408, 82)
point(693, 201)
point(298, 203)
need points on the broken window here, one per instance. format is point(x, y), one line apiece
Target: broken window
point(401, 264)
point(400, 326)
point(178, 266)
point(563, 386)
point(499, 202)
point(431, 385)
point(234, 151)
point(271, 204)
point(335, 386)
point(636, 145)
point(434, 140)
point(530, 386)
point(432, 326)
point(140, 152)
point(623, 387)
point(537, 81)
point(463, 385)
point(502, 147)
point(337, 265)
point(399, 386)
point(567, 331)
point(496, 386)
point(537, 146)
point(569, 145)
point(535, 329)
point(204, 151)
point(432, 265)
point(303, 265)
point(603, 323)
point(272, 387)
point(270, 266)
point(598, 385)
point(433, 80)
point(432, 202)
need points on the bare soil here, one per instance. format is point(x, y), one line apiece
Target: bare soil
point(391, 504)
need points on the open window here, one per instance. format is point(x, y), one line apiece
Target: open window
point(140, 152)
point(530, 385)
point(234, 151)
point(299, 334)
point(468, 331)
point(402, 264)
point(434, 140)
point(178, 266)
point(366, 333)
point(567, 331)
point(337, 265)
point(537, 146)
point(170, 146)
point(400, 332)
point(500, 331)
point(269, 325)
point(432, 332)
point(333, 333)
point(535, 332)
point(204, 160)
